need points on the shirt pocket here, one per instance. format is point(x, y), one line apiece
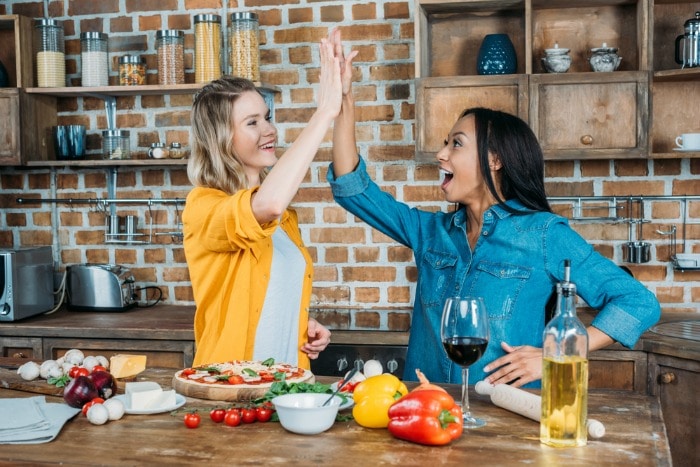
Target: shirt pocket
point(436, 277)
point(500, 285)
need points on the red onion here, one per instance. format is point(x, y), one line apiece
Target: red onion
point(105, 384)
point(79, 391)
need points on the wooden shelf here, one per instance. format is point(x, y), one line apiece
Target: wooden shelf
point(99, 163)
point(116, 91)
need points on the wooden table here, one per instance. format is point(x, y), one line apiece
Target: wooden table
point(635, 436)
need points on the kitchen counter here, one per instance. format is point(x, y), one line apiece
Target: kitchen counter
point(635, 435)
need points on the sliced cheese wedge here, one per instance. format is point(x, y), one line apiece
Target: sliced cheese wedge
point(125, 366)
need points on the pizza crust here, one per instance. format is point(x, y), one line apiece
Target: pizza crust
point(229, 393)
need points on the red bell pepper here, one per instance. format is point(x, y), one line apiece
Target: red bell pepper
point(428, 417)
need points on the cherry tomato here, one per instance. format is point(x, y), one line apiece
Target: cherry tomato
point(192, 420)
point(217, 415)
point(232, 417)
point(263, 414)
point(187, 371)
point(73, 372)
point(248, 415)
point(235, 379)
point(98, 368)
point(82, 371)
point(87, 405)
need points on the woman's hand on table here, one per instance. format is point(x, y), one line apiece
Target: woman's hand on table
point(520, 365)
point(319, 338)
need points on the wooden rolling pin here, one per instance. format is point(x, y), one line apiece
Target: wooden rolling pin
point(527, 404)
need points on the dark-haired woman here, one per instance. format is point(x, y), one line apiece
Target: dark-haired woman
point(502, 243)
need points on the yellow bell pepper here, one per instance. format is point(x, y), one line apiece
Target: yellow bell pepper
point(373, 397)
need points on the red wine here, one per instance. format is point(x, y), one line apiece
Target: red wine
point(465, 350)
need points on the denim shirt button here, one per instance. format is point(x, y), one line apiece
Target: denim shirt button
point(485, 232)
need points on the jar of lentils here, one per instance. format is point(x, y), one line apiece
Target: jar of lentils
point(93, 58)
point(207, 48)
point(244, 53)
point(132, 70)
point(170, 48)
point(50, 53)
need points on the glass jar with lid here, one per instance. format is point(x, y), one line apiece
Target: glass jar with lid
point(115, 144)
point(132, 70)
point(158, 151)
point(207, 48)
point(94, 60)
point(244, 53)
point(170, 48)
point(50, 53)
point(176, 151)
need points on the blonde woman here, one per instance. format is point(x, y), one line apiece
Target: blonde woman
point(250, 271)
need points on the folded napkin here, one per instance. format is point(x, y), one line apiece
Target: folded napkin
point(32, 420)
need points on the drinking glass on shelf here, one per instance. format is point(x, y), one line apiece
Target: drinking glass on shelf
point(464, 332)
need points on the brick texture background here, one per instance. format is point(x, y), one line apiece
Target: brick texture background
point(363, 280)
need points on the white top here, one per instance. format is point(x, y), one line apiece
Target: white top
point(278, 328)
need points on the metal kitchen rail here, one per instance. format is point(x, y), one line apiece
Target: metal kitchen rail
point(102, 204)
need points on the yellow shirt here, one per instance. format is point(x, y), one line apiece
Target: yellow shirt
point(229, 256)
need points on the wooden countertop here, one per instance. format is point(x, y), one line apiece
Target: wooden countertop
point(635, 435)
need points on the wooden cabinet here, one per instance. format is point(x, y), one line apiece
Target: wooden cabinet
point(675, 381)
point(25, 121)
point(624, 370)
point(21, 347)
point(579, 114)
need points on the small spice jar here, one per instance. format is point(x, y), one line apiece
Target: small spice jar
point(50, 53)
point(207, 48)
point(158, 151)
point(115, 144)
point(170, 47)
point(176, 151)
point(244, 53)
point(93, 58)
point(132, 70)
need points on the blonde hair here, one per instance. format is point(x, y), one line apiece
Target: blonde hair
point(213, 162)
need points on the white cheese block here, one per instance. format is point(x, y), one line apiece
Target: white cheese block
point(148, 395)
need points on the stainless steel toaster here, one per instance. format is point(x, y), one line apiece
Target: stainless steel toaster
point(100, 287)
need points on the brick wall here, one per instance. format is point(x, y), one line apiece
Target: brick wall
point(363, 279)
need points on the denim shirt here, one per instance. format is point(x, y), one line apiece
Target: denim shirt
point(514, 266)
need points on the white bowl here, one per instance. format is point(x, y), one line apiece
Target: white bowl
point(302, 413)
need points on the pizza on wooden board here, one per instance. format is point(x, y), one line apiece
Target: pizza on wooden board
point(237, 380)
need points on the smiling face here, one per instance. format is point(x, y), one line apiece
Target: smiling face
point(254, 135)
point(459, 164)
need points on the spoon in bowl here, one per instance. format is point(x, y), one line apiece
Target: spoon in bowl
point(340, 386)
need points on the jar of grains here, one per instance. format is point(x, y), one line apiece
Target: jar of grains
point(50, 53)
point(93, 57)
point(176, 151)
point(244, 53)
point(132, 70)
point(170, 48)
point(207, 48)
point(115, 144)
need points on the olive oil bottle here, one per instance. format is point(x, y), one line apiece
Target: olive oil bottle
point(564, 372)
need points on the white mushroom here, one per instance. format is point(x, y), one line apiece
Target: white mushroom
point(74, 356)
point(29, 371)
point(55, 372)
point(115, 407)
point(98, 414)
point(89, 362)
point(46, 366)
point(103, 361)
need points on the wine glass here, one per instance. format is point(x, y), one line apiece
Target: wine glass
point(464, 331)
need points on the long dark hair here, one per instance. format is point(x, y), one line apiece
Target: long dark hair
point(522, 161)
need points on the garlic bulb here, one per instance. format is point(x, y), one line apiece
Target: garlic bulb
point(29, 371)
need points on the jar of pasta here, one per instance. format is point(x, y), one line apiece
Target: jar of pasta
point(207, 48)
point(132, 70)
point(93, 57)
point(170, 48)
point(115, 144)
point(50, 53)
point(244, 53)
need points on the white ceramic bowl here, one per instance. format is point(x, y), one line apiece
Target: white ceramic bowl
point(302, 413)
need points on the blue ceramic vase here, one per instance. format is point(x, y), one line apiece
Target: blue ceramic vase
point(496, 56)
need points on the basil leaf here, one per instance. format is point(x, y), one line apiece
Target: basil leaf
point(269, 362)
point(249, 372)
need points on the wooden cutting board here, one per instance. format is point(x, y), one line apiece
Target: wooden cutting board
point(9, 379)
point(226, 393)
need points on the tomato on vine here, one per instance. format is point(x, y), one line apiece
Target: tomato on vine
point(232, 417)
point(263, 414)
point(248, 415)
point(192, 419)
point(217, 415)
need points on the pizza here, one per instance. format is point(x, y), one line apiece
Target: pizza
point(237, 380)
